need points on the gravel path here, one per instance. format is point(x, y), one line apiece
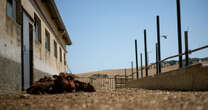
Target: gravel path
point(123, 99)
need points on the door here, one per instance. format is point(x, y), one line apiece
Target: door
point(27, 51)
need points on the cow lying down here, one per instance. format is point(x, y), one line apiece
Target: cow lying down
point(59, 84)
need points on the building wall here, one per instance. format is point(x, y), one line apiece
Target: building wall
point(10, 52)
point(45, 61)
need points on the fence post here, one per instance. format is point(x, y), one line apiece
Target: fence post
point(141, 66)
point(186, 47)
point(115, 81)
point(158, 43)
point(132, 70)
point(125, 72)
point(156, 46)
point(136, 59)
point(125, 76)
point(145, 51)
point(179, 33)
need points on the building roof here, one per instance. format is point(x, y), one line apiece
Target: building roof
point(56, 16)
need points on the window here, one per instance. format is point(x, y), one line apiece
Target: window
point(64, 58)
point(60, 54)
point(11, 9)
point(37, 24)
point(55, 49)
point(47, 40)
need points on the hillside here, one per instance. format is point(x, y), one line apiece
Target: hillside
point(167, 66)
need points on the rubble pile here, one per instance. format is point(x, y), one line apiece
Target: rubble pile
point(59, 84)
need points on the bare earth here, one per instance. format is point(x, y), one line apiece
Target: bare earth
point(123, 99)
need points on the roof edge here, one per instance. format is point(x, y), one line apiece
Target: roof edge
point(66, 35)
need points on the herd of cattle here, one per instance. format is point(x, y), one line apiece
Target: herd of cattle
point(59, 84)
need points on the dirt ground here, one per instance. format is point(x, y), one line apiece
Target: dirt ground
point(123, 99)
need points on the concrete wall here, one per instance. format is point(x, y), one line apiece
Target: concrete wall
point(10, 51)
point(194, 77)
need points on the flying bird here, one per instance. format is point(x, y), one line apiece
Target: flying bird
point(164, 36)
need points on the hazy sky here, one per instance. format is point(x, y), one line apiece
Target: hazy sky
point(103, 31)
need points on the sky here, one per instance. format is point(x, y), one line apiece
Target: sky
point(103, 31)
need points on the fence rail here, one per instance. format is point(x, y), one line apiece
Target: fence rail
point(99, 83)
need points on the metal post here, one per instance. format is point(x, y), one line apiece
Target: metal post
point(136, 60)
point(145, 51)
point(179, 33)
point(115, 81)
point(141, 66)
point(125, 73)
point(156, 46)
point(186, 47)
point(125, 79)
point(132, 70)
point(158, 43)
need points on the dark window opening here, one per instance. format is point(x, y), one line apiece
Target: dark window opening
point(47, 40)
point(37, 24)
point(11, 9)
point(55, 49)
point(64, 58)
point(60, 54)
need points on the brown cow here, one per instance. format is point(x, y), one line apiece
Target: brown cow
point(64, 84)
point(82, 86)
point(58, 84)
point(44, 85)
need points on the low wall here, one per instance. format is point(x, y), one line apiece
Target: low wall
point(194, 77)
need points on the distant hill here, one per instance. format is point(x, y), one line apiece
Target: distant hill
point(167, 66)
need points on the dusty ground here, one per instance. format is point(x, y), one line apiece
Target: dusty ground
point(124, 99)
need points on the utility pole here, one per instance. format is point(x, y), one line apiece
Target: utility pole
point(179, 33)
point(145, 51)
point(158, 43)
point(137, 68)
